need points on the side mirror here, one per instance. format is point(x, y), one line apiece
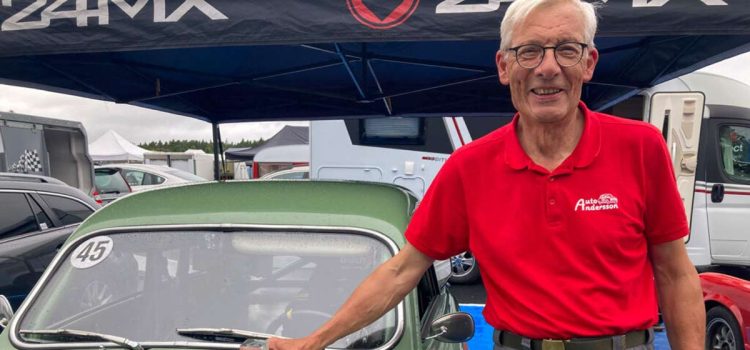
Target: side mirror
point(6, 312)
point(457, 327)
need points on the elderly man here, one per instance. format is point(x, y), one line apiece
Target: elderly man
point(574, 215)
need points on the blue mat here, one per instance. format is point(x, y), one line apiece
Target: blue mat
point(483, 332)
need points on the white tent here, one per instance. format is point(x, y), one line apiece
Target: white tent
point(111, 147)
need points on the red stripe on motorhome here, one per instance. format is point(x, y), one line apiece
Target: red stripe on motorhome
point(458, 131)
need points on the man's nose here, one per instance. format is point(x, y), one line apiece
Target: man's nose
point(549, 66)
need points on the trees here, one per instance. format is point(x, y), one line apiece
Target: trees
point(206, 146)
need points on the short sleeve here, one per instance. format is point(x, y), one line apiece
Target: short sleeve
point(665, 219)
point(439, 227)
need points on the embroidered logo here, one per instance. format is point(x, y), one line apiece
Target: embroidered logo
point(605, 202)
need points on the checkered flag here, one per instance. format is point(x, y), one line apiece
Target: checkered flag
point(29, 162)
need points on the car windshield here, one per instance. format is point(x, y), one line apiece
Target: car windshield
point(110, 181)
point(144, 285)
point(183, 174)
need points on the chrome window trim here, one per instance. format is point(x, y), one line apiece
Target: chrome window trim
point(13, 329)
point(66, 196)
point(50, 194)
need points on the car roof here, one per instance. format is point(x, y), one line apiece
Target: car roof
point(371, 206)
point(134, 166)
point(33, 178)
point(62, 188)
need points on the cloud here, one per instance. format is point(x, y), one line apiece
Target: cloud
point(136, 124)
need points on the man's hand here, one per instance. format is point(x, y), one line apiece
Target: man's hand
point(290, 344)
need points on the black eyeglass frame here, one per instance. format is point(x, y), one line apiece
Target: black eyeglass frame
point(544, 51)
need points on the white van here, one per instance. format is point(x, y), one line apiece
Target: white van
point(697, 109)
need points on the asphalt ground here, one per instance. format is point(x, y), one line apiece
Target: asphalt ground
point(472, 298)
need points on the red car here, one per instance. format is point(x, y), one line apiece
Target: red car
point(727, 300)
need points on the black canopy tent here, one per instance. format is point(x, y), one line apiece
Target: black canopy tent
point(288, 135)
point(231, 61)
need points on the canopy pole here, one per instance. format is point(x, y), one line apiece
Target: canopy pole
point(217, 143)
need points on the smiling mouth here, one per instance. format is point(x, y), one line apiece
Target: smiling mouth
point(543, 92)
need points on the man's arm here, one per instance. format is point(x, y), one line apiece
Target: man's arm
point(378, 293)
point(680, 296)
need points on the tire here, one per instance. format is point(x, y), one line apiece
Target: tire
point(722, 330)
point(464, 269)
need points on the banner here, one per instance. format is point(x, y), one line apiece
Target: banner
point(74, 26)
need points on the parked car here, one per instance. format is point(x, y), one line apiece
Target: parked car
point(465, 269)
point(109, 184)
point(296, 173)
point(224, 267)
point(144, 176)
point(38, 214)
point(727, 299)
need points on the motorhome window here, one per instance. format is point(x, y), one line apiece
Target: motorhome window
point(384, 131)
point(734, 142)
point(67, 210)
point(480, 126)
point(16, 218)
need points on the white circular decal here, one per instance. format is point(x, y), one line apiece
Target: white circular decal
point(91, 252)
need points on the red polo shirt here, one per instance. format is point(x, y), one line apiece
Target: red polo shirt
point(564, 253)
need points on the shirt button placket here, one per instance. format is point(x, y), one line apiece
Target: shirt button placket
point(553, 210)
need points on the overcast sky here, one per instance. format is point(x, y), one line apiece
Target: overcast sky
point(130, 122)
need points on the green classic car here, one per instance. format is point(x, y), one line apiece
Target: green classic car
point(212, 265)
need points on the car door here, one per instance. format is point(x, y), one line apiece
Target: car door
point(434, 301)
point(728, 182)
point(22, 223)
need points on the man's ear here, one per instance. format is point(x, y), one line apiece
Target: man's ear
point(591, 59)
point(502, 67)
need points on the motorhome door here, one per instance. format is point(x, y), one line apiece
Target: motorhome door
point(679, 115)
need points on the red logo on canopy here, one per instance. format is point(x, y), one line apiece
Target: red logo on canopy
point(364, 15)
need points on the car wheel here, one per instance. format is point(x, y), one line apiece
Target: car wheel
point(722, 330)
point(465, 269)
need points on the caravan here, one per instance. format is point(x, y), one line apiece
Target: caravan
point(699, 108)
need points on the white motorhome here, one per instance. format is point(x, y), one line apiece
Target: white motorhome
point(403, 151)
point(697, 109)
point(718, 201)
point(46, 146)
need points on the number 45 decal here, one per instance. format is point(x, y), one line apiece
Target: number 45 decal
point(91, 252)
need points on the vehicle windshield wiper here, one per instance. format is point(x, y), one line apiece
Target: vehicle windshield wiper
point(237, 335)
point(77, 335)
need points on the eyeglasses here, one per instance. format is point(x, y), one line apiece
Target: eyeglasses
point(531, 56)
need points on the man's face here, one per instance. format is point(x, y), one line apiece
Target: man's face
point(548, 93)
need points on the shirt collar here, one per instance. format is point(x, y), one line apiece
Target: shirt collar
point(584, 154)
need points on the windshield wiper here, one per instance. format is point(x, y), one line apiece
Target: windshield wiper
point(238, 335)
point(77, 335)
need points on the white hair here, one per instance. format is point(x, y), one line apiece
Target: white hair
point(520, 9)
